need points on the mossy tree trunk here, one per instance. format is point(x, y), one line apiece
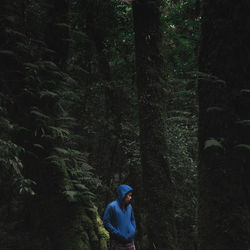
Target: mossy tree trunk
point(223, 220)
point(158, 188)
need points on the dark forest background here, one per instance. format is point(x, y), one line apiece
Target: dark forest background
point(151, 93)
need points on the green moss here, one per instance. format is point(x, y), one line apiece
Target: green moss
point(103, 244)
point(86, 222)
point(102, 233)
point(85, 236)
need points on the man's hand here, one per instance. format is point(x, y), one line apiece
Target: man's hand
point(131, 234)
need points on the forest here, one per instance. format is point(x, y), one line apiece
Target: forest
point(154, 94)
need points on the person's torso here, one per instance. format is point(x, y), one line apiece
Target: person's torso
point(121, 218)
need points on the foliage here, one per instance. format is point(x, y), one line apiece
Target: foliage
point(181, 33)
point(70, 134)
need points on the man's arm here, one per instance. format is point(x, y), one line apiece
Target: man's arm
point(108, 225)
point(132, 232)
point(133, 219)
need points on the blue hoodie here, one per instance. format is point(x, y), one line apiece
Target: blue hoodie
point(119, 220)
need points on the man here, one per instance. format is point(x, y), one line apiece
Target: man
point(119, 220)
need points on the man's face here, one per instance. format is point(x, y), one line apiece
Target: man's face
point(127, 198)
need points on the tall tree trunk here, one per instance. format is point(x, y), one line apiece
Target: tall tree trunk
point(110, 152)
point(158, 188)
point(224, 57)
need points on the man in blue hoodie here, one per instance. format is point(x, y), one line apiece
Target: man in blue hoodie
point(119, 220)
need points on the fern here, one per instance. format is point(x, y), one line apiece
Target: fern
point(212, 143)
point(61, 132)
point(215, 109)
point(40, 115)
point(47, 93)
point(242, 147)
point(243, 122)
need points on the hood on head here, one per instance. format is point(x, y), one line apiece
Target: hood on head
point(122, 190)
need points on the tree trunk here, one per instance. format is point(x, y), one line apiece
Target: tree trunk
point(158, 189)
point(110, 152)
point(224, 58)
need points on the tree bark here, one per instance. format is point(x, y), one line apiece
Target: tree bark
point(223, 214)
point(158, 188)
point(110, 152)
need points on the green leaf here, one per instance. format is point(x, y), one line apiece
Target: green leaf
point(66, 119)
point(31, 65)
point(38, 146)
point(48, 93)
point(49, 64)
point(78, 68)
point(243, 122)
point(7, 52)
point(180, 112)
point(62, 25)
point(91, 210)
point(16, 33)
point(245, 91)
point(60, 131)
point(212, 143)
point(242, 146)
point(29, 182)
point(39, 42)
point(61, 150)
point(39, 114)
point(72, 196)
point(81, 187)
point(215, 108)
point(178, 118)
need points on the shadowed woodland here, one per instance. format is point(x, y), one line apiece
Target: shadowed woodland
point(151, 93)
